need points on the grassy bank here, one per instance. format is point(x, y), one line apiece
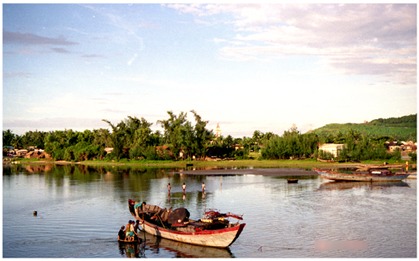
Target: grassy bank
point(304, 164)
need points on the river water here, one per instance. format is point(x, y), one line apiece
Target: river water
point(80, 210)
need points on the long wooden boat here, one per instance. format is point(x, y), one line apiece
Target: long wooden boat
point(371, 175)
point(214, 229)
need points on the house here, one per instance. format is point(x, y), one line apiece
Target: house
point(332, 148)
point(408, 146)
point(21, 153)
point(108, 150)
point(392, 146)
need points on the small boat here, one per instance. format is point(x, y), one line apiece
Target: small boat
point(214, 229)
point(290, 181)
point(375, 174)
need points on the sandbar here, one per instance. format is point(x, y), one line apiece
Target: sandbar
point(251, 171)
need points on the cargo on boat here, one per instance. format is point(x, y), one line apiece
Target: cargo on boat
point(214, 229)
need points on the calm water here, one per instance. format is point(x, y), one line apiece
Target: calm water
point(81, 209)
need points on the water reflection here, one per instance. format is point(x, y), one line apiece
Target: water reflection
point(185, 250)
point(131, 250)
point(306, 219)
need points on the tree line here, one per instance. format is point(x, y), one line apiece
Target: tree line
point(133, 139)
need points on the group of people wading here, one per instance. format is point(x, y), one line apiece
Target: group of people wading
point(169, 188)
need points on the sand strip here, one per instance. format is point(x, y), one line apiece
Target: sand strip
point(256, 171)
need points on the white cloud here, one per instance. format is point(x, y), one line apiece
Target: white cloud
point(371, 39)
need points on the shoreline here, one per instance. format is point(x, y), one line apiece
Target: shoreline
point(277, 172)
point(275, 168)
point(187, 165)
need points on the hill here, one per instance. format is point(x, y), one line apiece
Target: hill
point(402, 128)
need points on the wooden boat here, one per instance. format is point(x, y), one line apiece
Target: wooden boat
point(376, 174)
point(290, 181)
point(214, 229)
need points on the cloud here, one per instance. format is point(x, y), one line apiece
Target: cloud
point(60, 50)
point(33, 39)
point(366, 39)
point(92, 56)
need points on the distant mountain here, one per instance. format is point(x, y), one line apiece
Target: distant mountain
point(402, 128)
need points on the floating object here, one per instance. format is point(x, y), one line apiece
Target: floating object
point(292, 180)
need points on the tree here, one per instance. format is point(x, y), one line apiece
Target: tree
point(55, 144)
point(175, 131)
point(201, 137)
point(117, 138)
point(8, 137)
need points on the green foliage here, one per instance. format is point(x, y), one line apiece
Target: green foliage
point(403, 128)
point(133, 139)
point(8, 138)
point(413, 156)
point(184, 137)
point(292, 144)
point(325, 155)
point(405, 121)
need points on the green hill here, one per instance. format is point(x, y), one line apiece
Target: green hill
point(402, 128)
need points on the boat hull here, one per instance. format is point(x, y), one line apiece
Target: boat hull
point(221, 238)
point(361, 177)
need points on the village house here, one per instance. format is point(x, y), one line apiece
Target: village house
point(403, 146)
point(21, 152)
point(409, 146)
point(108, 150)
point(332, 148)
point(392, 146)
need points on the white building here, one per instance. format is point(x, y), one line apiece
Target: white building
point(332, 148)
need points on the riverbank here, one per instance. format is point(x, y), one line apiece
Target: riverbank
point(251, 171)
point(308, 164)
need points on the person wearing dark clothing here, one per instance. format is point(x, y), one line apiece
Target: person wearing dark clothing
point(121, 233)
point(137, 229)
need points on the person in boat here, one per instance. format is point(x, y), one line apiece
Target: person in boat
point(137, 230)
point(184, 188)
point(203, 187)
point(169, 187)
point(137, 226)
point(137, 205)
point(129, 231)
point(121, 233)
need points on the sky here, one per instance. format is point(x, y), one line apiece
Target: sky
point(245, 67)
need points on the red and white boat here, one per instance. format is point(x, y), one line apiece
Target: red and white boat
point(214, 229)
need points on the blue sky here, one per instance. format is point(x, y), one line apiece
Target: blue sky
point(247, 67)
